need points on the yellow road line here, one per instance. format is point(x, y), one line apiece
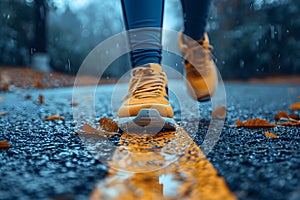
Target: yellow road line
point(191, 176)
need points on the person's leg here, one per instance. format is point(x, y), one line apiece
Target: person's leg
point(146, 102)
point(195, 13)
point(200, 69)
point(146, 15)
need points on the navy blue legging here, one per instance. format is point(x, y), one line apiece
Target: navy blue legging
point(146, 17)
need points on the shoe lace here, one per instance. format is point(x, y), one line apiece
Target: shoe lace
point(146, 82)
point(199, 53)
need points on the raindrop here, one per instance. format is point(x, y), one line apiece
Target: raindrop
point(68, 65)
point(279, 32)
point(42, 12)
point(272, 28)
point(32, 50)
point(242, 63)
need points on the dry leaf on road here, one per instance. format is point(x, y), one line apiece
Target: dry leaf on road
point(4, 145)
point(271, 135)
point(254, 123)
point(3, 113)
point(54, 117)
point(295, 106)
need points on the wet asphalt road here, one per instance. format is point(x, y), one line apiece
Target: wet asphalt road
point(47, 159)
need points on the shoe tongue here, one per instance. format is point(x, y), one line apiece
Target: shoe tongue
point(155, 66)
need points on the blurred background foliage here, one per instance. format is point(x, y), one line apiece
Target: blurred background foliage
point(251, 38)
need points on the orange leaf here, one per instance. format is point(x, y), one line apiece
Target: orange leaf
point(280, 115)
point(108, 124)
point(3, 113)
point(271, 135)
point(54, 117)
point(254, 123)
point(290, 123)
point(4, 145)
point(89, 130)
point(294, 116)
point(239, 123)
point(295, 106)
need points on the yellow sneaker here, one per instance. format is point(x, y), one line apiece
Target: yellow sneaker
point(147, 97)
point(201, 77)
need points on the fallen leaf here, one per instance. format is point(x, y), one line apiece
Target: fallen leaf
point(3, 113)
point(254, 123)
point(91, 130)
point(109, 125)
point(54, 117)
point(271, 135)
point(295, 106)
point(1, 99)
point(294, 116)
point(219, 113)
point(290, 123)
point(41, 99)
point(4, 145)
point(280, 115)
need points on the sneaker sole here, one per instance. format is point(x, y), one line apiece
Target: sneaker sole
point(147, 121)
point(205, 99)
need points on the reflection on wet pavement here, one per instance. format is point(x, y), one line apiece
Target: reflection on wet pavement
point(186, 175)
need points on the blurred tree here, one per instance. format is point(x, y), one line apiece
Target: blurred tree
point(40, 37)
point(257, 38)
point(81, 30)
point(252, 38)
point(16, 33)
point(40, 58)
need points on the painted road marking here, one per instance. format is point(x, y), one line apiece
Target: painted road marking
point(191, 176)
